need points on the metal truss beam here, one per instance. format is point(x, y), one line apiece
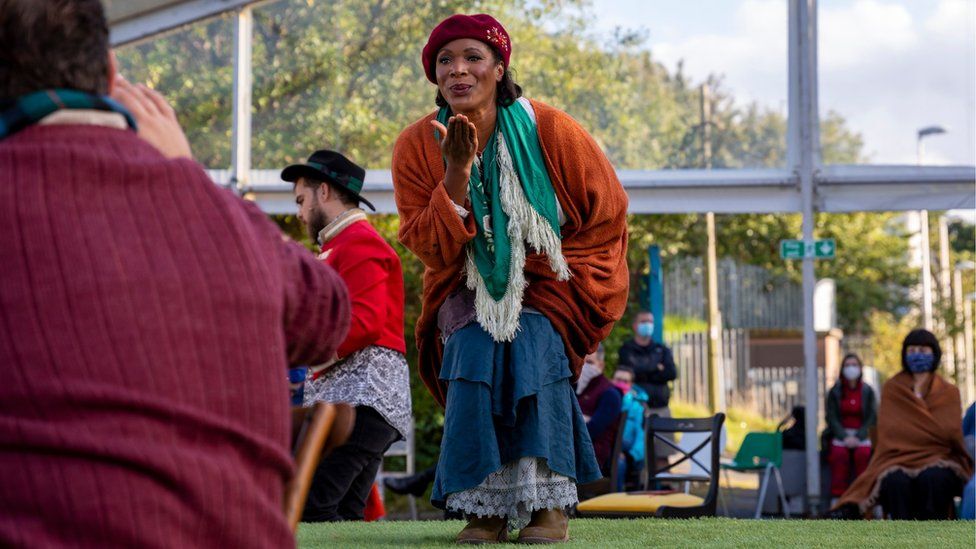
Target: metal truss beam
point(838, 189)
point(134, 20)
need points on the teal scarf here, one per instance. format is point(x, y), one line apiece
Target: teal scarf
point(492, 247)
point(25, 110)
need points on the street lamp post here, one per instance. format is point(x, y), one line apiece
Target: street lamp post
point(924, 232)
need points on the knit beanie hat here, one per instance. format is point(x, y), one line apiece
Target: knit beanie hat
point(481, 27)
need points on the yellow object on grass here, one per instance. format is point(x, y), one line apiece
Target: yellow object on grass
point(637, 502)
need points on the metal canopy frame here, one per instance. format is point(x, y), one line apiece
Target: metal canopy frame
point(804, 185)
point(134, 20)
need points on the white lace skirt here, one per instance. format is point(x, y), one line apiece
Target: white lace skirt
point(515, 491)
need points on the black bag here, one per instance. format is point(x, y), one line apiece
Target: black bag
point(794, 429)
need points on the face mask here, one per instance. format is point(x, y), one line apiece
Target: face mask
point(587, 374)
point(623, 386)
point(645, 329)
point(851, 372)
point(919, 363)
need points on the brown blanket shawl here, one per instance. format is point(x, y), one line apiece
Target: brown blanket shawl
point(913, 435)
point(594, 237)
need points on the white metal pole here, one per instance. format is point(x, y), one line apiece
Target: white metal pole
point(923, 217)
point(804, 151)
point(967, 310)
point(240, 167)
point(945, 299)
point(926, 270)
point(963, 360)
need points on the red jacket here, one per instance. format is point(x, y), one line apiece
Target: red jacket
point(371, 270)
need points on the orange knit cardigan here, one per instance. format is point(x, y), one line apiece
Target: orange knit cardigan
point(594, 238)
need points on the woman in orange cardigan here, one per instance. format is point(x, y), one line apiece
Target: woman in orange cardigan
point(521, 223)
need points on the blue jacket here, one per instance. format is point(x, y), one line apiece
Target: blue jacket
point(634, 403)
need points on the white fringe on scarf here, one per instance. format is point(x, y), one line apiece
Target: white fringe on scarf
point(525, 225)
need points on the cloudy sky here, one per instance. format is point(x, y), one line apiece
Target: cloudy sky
point(888, 66)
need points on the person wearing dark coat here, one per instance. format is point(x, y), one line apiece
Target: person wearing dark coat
point(653, 367)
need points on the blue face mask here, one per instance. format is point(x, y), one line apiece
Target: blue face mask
point(645, 329)
point(919, 363)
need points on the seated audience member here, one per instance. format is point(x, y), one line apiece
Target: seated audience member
point(851, 410)
point(919, 464)
point(600, 402)
point(635, 406)
point(148, 315)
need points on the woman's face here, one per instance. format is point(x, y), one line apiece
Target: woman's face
point(467, 75)
point(919, 349)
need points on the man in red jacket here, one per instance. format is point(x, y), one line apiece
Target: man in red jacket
point(147, 316)
point(370, 369)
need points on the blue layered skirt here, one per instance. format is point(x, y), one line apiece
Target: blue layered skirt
point(509, 404)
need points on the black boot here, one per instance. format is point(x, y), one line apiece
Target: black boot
point(415, 485)
point(848, 511)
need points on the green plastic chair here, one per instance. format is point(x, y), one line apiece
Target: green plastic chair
point(762, 453)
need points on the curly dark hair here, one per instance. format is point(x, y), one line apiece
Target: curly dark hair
point(507, 91)
point(923, 338)
point(47, 44)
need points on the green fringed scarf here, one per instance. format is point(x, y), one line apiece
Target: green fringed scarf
point(513, 203)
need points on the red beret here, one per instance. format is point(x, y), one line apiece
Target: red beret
point(481, 27)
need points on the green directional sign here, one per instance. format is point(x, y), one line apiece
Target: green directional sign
point(798, 249)
point(791, 249)
point(824, 249)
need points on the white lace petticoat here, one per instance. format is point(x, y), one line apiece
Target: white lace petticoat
point(515, 491)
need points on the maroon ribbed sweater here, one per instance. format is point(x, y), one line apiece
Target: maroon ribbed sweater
point(146, 320)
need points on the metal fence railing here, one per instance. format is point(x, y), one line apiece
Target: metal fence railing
point(768, 391)
point(749, 295)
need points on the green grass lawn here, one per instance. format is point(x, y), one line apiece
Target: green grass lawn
point(713, 532)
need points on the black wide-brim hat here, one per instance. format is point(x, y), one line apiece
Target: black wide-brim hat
point(333, 168)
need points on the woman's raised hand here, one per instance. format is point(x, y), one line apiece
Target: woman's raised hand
point(459, 145)
point(459, 141)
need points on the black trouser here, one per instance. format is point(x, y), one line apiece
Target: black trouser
point(925, 497)
point(343, 479)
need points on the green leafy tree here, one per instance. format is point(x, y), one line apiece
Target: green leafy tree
point(347, 75)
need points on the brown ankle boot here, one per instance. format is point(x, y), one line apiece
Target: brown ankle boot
point(546, 526)
point(484, 530)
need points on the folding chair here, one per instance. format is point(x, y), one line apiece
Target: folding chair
point(762, 453)
point(316, 431)
point(687, 443)
point(670, 505)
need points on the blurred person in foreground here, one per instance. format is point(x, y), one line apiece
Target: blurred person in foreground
point(851, 410)
point(920, 463)
point(370, 369)
point(148, 315)
point(520, 221)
